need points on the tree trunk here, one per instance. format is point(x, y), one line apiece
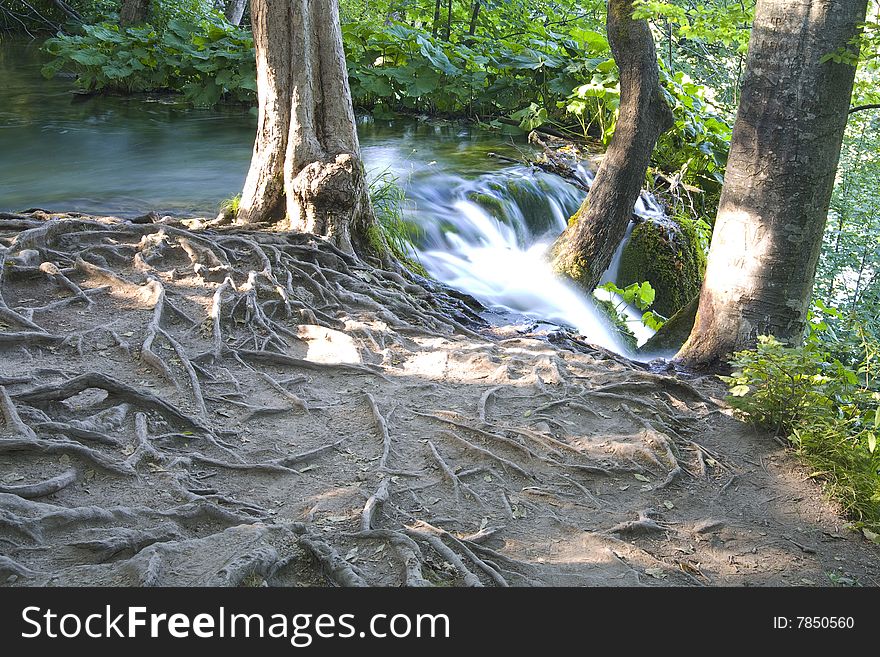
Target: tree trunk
point(780, 175)
point(133, 12)
point(435, 28)
point(306, 172)
point(234, 11)
point(475, 14)
point(448, 33)
point(584, 251)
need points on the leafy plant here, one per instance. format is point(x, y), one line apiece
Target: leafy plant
point(207, 61)
point(642, 296)
point(828, 411)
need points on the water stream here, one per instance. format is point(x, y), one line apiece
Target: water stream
point(484, 227)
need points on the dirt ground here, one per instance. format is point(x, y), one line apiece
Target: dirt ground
point(185, 406)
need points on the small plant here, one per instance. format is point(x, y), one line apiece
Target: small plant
point(642, 296)
point(388, 199)
point(829, 412)
point(230, 206)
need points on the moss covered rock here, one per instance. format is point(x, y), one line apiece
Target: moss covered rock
point(666, 254)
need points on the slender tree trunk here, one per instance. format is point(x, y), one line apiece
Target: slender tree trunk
point(234, 11)
point(435, 28)
point(133, 12)
point(780, 175)
point(584, 251)
point(448, 33)
point(306, 172)
point(475, 14)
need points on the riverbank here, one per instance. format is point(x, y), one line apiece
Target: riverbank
point(186, 407)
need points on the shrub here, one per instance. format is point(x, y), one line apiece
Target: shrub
point(829, 412)
point(207, 61)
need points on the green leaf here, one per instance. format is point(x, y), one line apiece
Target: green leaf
point(740, 390)
point(593, 41)
point(89, 57)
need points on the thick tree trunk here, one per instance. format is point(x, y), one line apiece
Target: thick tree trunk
point(780, 175)
point(234, 11)
point(133, 12)
point(306, 173)
point(584, 251)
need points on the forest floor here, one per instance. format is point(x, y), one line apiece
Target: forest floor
point(216, 407)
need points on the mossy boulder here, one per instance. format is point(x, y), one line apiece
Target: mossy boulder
point(667, 255)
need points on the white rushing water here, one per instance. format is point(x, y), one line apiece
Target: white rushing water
point(489, 237)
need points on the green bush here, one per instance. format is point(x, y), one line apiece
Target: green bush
point(208, 61)
point(829, 411)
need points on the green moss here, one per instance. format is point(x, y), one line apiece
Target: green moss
point(376, 240)
point(489, 203)
point(668, 256)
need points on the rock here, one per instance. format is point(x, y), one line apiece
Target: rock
point(666, 254)
point(674, 332)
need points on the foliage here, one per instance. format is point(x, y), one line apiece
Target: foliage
point(642, 296)
point(522, 70)
point(848, 275)
point(230, 206)
point(207, 61)
point(829, 411)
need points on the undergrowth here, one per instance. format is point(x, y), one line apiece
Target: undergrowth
point(826, 402)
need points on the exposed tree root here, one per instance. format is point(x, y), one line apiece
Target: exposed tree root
point(645, 525)
point(118, 388)
point(109, 543)
point(340, 571)
point(40, 446)
point(44, 488)
point(207, 374)
point(457, 484)
point(375, 501)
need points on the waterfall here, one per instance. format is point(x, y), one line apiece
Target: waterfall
point(489, 237)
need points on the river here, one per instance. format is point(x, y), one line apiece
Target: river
point(483, 226)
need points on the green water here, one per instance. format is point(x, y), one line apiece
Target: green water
point(130, 155)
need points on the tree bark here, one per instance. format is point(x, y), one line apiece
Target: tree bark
point(780, 176)
point(306, 173)
point(475, 14)
point(448, 33)
point(133, 12)
point(234, 11)
point(585, 250)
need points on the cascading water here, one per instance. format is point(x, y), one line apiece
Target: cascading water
point(489, 237)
